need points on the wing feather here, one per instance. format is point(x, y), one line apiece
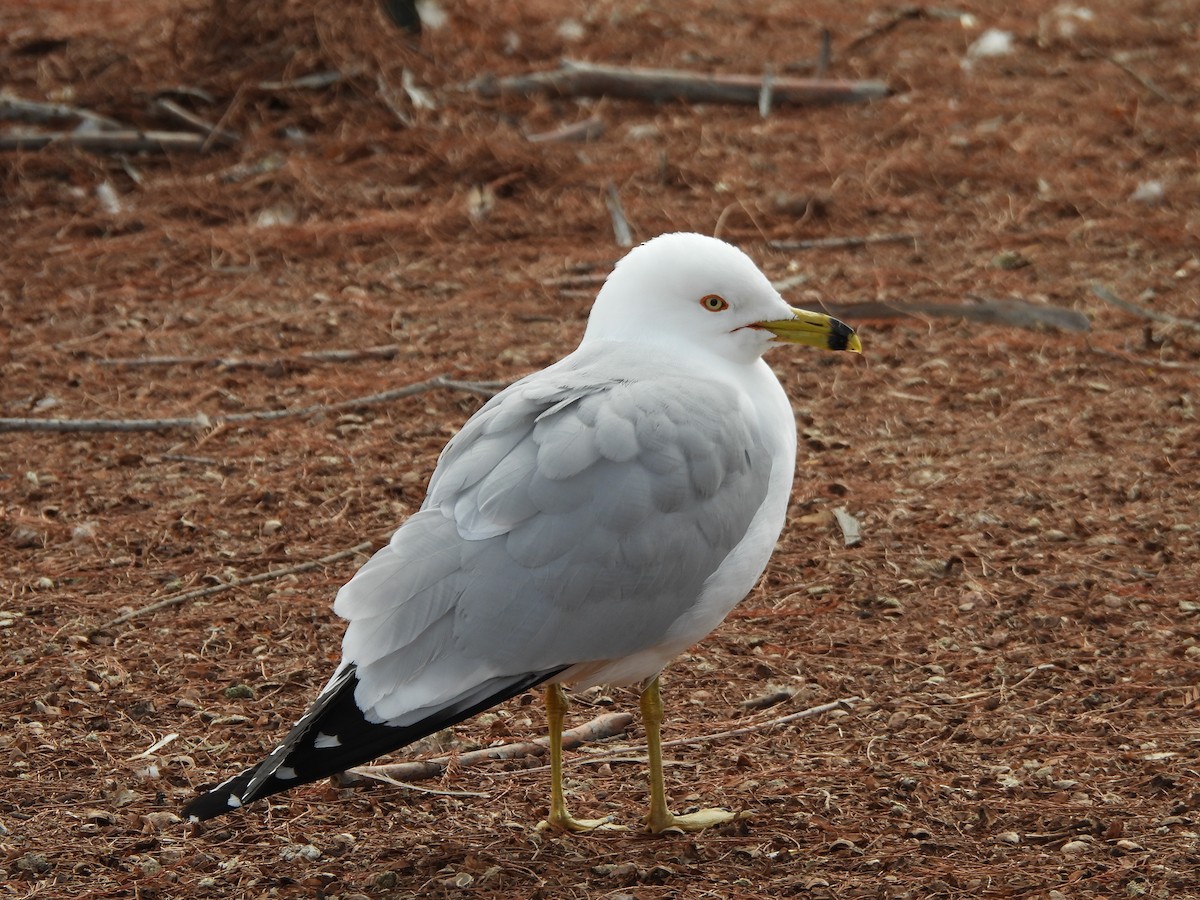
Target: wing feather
point(573, 519)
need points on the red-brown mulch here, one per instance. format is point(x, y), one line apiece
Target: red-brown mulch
point(1020, 619)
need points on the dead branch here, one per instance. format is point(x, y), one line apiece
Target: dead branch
point(483, 388)
point(905, 14)
point(839, 243)
point(384, 351)
point(1145, 362)
point(585, 280)
point(185, 596)
point(766, 92)
point(825, 54)
point(314, 82)
point(125, 141)
point(581, 79)
point(1137, 76)
point(1012, 313)
point(1106, 294)
point(767, 700)
point(621, 230)
point(588, 130)
point(843, 703)
point(14, 109)
point(208, 129)
point(599, 728)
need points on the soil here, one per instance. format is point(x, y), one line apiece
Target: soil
point(1020, 622)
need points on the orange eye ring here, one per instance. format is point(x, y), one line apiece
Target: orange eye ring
point(714, 303)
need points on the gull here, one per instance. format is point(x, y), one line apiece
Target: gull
point(587, 525)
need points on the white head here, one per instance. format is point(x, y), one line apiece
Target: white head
point(688, 289)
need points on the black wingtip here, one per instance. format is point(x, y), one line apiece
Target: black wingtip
point(221, 799)
point(334, 735)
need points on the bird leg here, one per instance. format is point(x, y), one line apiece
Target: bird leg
point(556, 708)
point(660, 818)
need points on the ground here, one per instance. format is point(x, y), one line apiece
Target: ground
point(1016, 635)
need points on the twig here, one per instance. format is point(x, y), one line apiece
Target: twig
point(621, 230)
point(483, 388)
point(1147, 362)
point(1138, 77)
point(1012, 313)
point(17, 110)
point(601, 727)
point(765, 701)
point(385, 351)
point(588, 130)
point(843, 703)
point(839, 243)
point(584, 280)
point(361, 774)
point(851, 532)
point(126, 141)
point(903, 15)
point(766, 93)
point(825, 53)
point(208, 129)
point(186, 458)
point(185, 596)
point(314, 82)
point(1106, 294)
point(578, 79)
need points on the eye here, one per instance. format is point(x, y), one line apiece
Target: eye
point(714, 303)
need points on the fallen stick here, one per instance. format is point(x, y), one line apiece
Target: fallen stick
point(15, 109)
point(126, 141)
point(576, 281)
point(903, 15)
point(839, 243)
point(483, 388)
point(766, 92)
point(577, 79)
point(185, 596)
point(208, 129)
point(1013, 313)
point(1106, 294)
point(1137, 76)
point(842, 703)
point(621, 230)
point(314, 82)
point(1148, 362)
point(385, 351)
point(587, 130)
point(825, 54)
point(601, 727)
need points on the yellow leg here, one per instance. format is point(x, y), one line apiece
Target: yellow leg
point(556, 708)
point(660, 818)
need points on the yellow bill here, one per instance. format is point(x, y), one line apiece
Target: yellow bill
point(814, 330)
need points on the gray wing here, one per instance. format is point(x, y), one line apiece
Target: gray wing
point(572, 520)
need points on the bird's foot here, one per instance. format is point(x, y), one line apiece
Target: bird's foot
point(691, 822)
point(564, 821)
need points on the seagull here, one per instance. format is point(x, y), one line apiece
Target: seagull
point(588, 524)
